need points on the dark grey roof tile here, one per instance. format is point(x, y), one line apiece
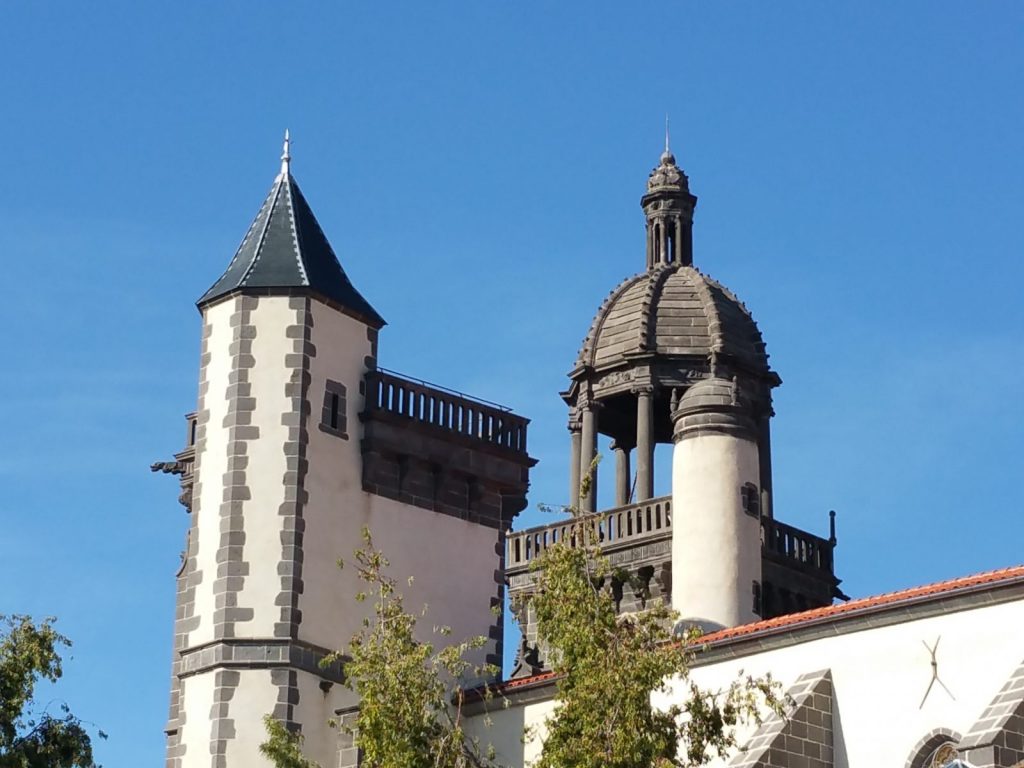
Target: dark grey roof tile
point(285, 248)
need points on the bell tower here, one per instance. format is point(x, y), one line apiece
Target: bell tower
point(673, 357)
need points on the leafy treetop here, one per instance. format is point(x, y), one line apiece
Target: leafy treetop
point(31, 737)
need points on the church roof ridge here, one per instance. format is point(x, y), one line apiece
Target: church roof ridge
point(886, 599)
point(898, 598)
point(285, 248)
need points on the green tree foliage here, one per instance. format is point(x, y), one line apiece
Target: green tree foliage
point(283, 747)
point(611, 664)
point(31, 737)
point(411, 696)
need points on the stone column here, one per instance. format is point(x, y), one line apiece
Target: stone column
point(663, 227)
point(644, 444)
point(679, 242)
point(575, 446)
point(588, 454)
point(622, 474)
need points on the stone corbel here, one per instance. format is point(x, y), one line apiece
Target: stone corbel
point(642, 585)
point(665, 581)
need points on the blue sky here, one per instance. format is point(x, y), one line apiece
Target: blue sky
point(478, 167)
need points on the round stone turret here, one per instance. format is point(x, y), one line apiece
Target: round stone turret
point(714, 405)
point(716, 533)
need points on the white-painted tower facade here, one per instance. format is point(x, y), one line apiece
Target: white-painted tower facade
point(299, 440)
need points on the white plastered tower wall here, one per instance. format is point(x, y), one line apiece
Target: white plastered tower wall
point(240, 654)
point(716, 533)
point(446, 557)
point(275, 480)
point(278, 499)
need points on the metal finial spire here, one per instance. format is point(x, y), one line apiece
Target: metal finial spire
point(667, 158)
point(286, 155)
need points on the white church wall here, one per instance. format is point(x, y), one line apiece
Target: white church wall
point(318, 707)
point(452, 561)
point(879, 678)
point(504, 728)
point(336, 506)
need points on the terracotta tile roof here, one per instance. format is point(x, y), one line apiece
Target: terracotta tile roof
point(817, 615)
point(794, 620)
point(511, 685)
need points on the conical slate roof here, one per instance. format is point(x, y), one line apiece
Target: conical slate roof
point(285, 248)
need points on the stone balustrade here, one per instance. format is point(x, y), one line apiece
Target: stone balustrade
point(784, 542)
point(616, 528)
point(444, 409)
point(637, 524)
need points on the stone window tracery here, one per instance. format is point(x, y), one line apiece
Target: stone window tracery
point(937, 750)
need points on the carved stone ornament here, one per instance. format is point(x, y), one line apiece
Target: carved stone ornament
point(168, 467)
point(614, 379)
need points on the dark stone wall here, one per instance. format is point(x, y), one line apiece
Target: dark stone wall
point(802, 737)
point(787, 586)
point(997, 739)
point(428, 467)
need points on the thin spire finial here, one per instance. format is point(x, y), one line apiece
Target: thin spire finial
point(286, 154)
point(667, 150)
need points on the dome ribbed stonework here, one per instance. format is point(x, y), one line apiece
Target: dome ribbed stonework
point(674, 311)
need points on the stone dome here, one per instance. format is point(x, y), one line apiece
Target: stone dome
point(710, 393)
point(673, 310)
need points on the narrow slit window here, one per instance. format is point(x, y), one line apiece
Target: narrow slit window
point(751, 500)
point(334, 419)
point(335, 402)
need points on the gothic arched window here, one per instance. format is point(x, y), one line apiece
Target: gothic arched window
point(937, 750)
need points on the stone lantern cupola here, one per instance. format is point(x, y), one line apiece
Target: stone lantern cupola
point(668, 206)
point(658, 333)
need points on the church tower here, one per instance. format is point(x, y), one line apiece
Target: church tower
point(673, 357)
point(300, 440)
point(662, 350)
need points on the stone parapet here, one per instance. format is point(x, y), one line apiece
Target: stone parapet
point(796, 567)
point(443, 451)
